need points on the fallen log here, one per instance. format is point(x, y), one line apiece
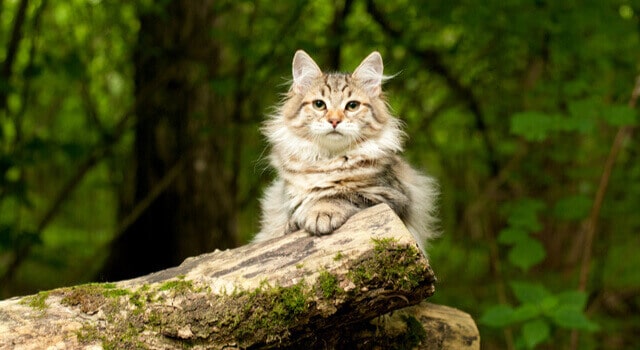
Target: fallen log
point(294, 291)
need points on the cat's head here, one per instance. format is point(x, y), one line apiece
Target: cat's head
point(339, 111)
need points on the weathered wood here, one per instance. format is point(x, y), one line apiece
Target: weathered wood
point(444, 327)
point(278, 293)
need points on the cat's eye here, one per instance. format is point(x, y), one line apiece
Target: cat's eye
point(319, 105)
point(352, 106)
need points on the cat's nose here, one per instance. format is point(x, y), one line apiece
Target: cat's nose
point(334, 122)
point(335, 118)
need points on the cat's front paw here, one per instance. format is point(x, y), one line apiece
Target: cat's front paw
point(325, 217)
point(324, 222)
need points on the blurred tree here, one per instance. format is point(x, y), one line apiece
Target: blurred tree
point(180, 202)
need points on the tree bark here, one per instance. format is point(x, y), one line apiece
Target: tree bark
point(291, 292)
point(181, 123)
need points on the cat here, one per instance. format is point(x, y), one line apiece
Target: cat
point(335, 147)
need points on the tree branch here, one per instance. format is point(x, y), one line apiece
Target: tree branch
point(25, 94)
point(12, 50)
point(591, 224)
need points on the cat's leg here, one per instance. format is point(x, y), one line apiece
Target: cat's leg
point(274, 215)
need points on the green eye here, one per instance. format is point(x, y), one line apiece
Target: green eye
point(319, 105)
point(352, 105)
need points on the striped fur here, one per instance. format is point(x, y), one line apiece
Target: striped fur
point(340, 155)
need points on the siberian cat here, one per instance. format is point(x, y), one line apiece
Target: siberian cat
point(335, 147)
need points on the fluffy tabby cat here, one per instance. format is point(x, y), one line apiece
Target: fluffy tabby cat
point(335, 146)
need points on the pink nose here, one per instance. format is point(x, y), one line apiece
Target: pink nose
point(334, 122)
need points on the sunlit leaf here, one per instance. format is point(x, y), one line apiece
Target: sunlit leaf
point(535, 332)
point(525, 312)
point(584, 109)
point(569, 317)
point(497, 316)
point(531, 125)
point(527, 254)
point(528, 292)
point(572, 299)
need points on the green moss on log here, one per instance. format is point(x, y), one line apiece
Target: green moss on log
point(392, 264)
point(183, 312)
point(328, 284)
point(37, 301)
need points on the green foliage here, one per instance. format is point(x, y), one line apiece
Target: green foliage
point(512, 106)
point(525, 251)
point(535, 126)
point(535, 332)
point(583, 117)
point(539, 310)
point(70, 84)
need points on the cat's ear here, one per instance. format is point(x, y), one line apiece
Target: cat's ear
point(369, 73)
point(305, 71)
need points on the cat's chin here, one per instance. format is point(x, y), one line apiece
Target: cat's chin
point(334, 142)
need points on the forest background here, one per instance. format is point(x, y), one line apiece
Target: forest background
point(129, 140)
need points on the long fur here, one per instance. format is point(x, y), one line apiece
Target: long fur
point(333, 160)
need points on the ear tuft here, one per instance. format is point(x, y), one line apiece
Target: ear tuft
point(305, 70)
point(369, 73)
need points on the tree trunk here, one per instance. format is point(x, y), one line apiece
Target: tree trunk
point(292, 292)
point(179, 156)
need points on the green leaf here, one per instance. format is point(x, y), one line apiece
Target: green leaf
point(585, 108)
point(620, 115)
point(531, 125)
point(497, 316)
point(525, 312)
point(527, 254)
point(574, 299)
point(523, 214)
point(582, 115)
point(527, 292)
point(535, 332)
point(549, 303)
point(13, 174)
point(567, 316)
point(572, 207)
point(512, 236)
